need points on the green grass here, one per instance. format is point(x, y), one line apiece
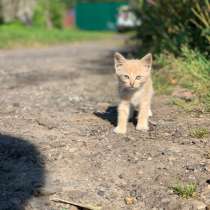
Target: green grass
point(187, 106)
point(16, 35)
point(191, 70)
point(184, 190)
point(199, 133)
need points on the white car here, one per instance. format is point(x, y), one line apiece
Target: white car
point(126, 19)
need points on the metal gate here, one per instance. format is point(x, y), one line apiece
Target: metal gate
point(97, 16)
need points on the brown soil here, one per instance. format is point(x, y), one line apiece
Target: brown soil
point(57, 113)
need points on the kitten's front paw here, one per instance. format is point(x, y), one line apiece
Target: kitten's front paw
point(142, 127)
point(150, 113)
point(119, 130)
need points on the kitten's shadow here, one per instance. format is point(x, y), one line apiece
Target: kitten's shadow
point(111, 115)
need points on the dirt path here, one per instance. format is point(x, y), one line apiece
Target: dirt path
point(57, 110)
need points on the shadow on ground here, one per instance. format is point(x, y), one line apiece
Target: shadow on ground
point(111, 115)
point(21, 172)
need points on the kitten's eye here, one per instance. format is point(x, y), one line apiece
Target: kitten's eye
point(138, 77)
point(126, 76)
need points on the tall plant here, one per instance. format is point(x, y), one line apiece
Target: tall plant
point(167, 25)
point(202, 18)
point(49, 13)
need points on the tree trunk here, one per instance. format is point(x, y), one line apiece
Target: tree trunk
point(11, 10)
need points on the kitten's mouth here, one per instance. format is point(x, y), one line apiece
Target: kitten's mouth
point(132, 88)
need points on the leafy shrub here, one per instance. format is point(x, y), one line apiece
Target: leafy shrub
point(167, 25)
point(40, 15)
point(201, 12)
point(56, 11)
point(49, 13)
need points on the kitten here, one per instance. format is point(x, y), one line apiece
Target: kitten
point(135, 90)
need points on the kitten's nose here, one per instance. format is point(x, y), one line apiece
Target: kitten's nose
point(132, 84)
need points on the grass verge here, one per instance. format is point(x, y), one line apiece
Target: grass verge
point(199, 133)
point(191, 70)
point(16, 35)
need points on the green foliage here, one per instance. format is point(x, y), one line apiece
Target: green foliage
point(199, 133)
point(40, 15)
point(184, 191)
point(190, 70)
point(167, 25)
point(49, 13)
point(57, 11)
point(202, 18)
point(187, 106)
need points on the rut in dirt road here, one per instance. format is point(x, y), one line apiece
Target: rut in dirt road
point(62, 100)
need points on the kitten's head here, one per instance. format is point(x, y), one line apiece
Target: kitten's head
point(132, 74)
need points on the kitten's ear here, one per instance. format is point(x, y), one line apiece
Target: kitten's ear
point(118, 60)
point(147, 61)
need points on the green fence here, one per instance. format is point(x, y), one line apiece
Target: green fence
point(97, 16)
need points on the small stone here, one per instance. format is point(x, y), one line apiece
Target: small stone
point(140, 172)
point(133, 193)
point(205, 195)
point(74, 208)
point(208, 168)
point(198, 205)
point(120, 176)
point(177, 133)
point(46, 191)
point(16, 104)
point(183, 94)
point(208, 207)
point(174, 204)
point(46, 122)
point(103, 104)
point(101, 193)
point(130, 200)
point(167, 134)
point(165, 200)
point(36, 204)
point(173, 81)
point(187, 206)
point(141, 205)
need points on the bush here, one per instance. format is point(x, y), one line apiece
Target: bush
point(57, 11)
point(168, 25)
point(40, 15)
point(49, 13)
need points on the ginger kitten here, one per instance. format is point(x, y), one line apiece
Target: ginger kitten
point(135, 90)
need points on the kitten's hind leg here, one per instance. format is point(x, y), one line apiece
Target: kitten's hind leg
point(150, 113)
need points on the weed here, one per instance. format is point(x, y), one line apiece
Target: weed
point(190, 70)
point(184, 190)
point(199, 133)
